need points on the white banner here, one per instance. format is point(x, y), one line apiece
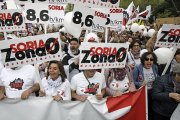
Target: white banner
point(97, 3)
point(44, 13)
point(169, 36)
point(11, 20)
point(30, 50)
point(88, 18)
point(18, 2)
point(102, 55)
point(127, 107)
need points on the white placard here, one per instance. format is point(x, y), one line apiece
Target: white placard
point(102, 55)
point(30, 50)
point(44, 13)
point(11, 20)
point(88, 18)
point(18, 2)
point(169, 37)
point(97, 3)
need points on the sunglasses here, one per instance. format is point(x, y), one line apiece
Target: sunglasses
point(147, 59)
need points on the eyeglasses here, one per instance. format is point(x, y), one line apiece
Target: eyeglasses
point(123, 36)
point(134, 34)
point(135, 45)
point(147, 59)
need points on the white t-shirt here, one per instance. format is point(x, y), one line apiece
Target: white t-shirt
point(81, 85)
point(18, 80)
point(131, 58)
point(149, 77)
point(63, 90)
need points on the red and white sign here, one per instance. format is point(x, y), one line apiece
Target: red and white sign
point(88, 18)
point(44, 13)
point(102, 55)
point(169, 37)
point(11, 20)
point(30, 50)
point(97, 3)
point(18, 2)
point(130, 106)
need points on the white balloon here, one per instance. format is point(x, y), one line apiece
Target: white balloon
point(142, 28)
point(126, 28)
point(163, 55)
point(151, 32)
point(158, 34)
point(75, 31)
point(134, 27)
point(122, 28)
point(63, 30)
point(145, 33)
point(92, 37)
point(143, 51)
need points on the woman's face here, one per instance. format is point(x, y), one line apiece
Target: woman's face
point(30, 34)
point(54, 71)
point(149, 61)
point(177, 57)
point(136, 47)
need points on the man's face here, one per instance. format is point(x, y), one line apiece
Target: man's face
point(154, 40)
point(89, 73)
point(81, 39)
point(125, 37)
point(49, 30)
point(74, 46)
point(177, 77)
point(177, 57)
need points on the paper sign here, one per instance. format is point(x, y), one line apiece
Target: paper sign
point(18, 2)
point(44, 13)
point(169, 37)
point(11, 20)
point(102, 55)
point(97, 3)
point(88, 18)
point(30, 50)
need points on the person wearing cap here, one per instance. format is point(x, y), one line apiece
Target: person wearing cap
point(71, 59)
point(166, 94)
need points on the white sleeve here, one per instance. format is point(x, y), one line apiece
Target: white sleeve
point(73, 84)
point(67, 93)
point(34, 76)
point(104, 83)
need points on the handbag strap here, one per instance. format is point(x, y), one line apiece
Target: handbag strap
point(90, 84)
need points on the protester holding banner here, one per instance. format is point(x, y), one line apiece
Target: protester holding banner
point(55, 84)
point(134, 54)
point(71, 59)
point(19, 81)
point(145, 74)
point(119, 80)
point(166, 94)
point(86, 84)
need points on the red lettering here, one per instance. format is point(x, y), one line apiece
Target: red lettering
point(99, 53)
point(92, 51)
point(53, 7)
point(110, 51)
point(41, 44)
point(171, 32)
point(14, 50)
point(9, 16)
point(175, 32)
point(30, 45)
point(1, 16)
point(106, 49)
point(4, 16)
point(114, 51)
point(21, 44)
point(35, 45)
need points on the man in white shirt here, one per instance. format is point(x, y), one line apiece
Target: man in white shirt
point(86, 84)
point(18, 82)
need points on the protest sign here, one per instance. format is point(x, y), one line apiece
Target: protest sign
point(97, 3)
point(130, 106)
point(88, 18)
point(102, 55)
point(30, 50)
point(177, 20)
point(44, 13)
point(18, 2)
point(11, 20)
point(169, 37)
point(161, 21)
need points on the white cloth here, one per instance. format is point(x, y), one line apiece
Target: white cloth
point(149, 77)
point(18, 80)
point(131, 58)
point(81, 85)
point(62, 90)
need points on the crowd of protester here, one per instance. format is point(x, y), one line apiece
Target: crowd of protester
point(63, 80)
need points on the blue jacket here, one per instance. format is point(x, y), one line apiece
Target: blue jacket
point(139, 72)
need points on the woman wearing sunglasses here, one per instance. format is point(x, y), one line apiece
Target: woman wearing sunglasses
point(55, 84)
point(145, 74)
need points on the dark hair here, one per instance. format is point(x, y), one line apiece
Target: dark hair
point(143, 57)
point(102, 41)
point(133, 42)
point(61, 69)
